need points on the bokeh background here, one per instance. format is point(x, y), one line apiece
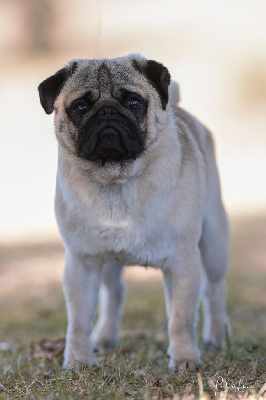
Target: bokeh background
point(214, 49)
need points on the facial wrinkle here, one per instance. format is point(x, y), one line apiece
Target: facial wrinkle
point(105, 82)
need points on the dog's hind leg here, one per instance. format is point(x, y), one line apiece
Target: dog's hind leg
point(107, 328)
point(214, 246)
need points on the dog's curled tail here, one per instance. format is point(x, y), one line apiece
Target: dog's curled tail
point(174, 93)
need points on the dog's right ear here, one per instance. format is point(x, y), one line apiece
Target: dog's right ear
point(50, 88)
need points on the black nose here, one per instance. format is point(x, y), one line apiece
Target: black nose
point(107, 112)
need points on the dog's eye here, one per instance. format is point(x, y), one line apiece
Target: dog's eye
point(81, 108)
point(133, 104)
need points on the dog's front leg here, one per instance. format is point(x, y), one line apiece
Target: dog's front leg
point(81, 287)
point(182, 288)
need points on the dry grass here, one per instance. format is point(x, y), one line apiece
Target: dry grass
point(32, 307)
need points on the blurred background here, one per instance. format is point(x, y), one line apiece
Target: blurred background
point(214, 49)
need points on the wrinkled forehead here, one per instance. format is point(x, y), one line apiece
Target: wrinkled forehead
point(97, 73)
point(102, 77)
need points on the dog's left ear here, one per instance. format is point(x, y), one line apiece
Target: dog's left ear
point(158, 76)
point(50, 88)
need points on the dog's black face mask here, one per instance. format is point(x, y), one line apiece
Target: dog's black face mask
point(109, 135)
point(113, 132)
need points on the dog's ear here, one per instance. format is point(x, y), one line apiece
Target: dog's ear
point(158, 76)
point(50, 88)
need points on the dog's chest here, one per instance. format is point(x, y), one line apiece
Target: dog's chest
point(131, 239)
point(131, 234)
point(113, 227)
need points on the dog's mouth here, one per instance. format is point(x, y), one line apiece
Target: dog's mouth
point(110, 147)
point(110, 140)
point(109, 150)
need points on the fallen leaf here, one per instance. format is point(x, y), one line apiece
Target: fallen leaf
point(47, 348)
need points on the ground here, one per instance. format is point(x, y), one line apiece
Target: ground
point(32, 307)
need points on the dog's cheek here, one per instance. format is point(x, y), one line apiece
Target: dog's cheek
point(65, 132)
point(61, 126)
point(59, 104)
point(152, 125)
point(143, 127)
point(61, 121)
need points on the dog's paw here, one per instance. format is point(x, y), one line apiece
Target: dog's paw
point(182, 366)
point(77, 365)
point(182, 361)
point(72, 363)
point(218, 334)
point(106, 337)
point(80, 356)
point(211, 346)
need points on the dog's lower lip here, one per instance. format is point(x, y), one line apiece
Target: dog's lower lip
point(103, 162)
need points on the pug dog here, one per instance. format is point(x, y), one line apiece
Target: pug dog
point(137, 184)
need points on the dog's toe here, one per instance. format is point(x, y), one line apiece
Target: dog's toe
point(182, 366)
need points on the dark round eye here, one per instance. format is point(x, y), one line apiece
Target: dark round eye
point(134, 104)
point(81, 108)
